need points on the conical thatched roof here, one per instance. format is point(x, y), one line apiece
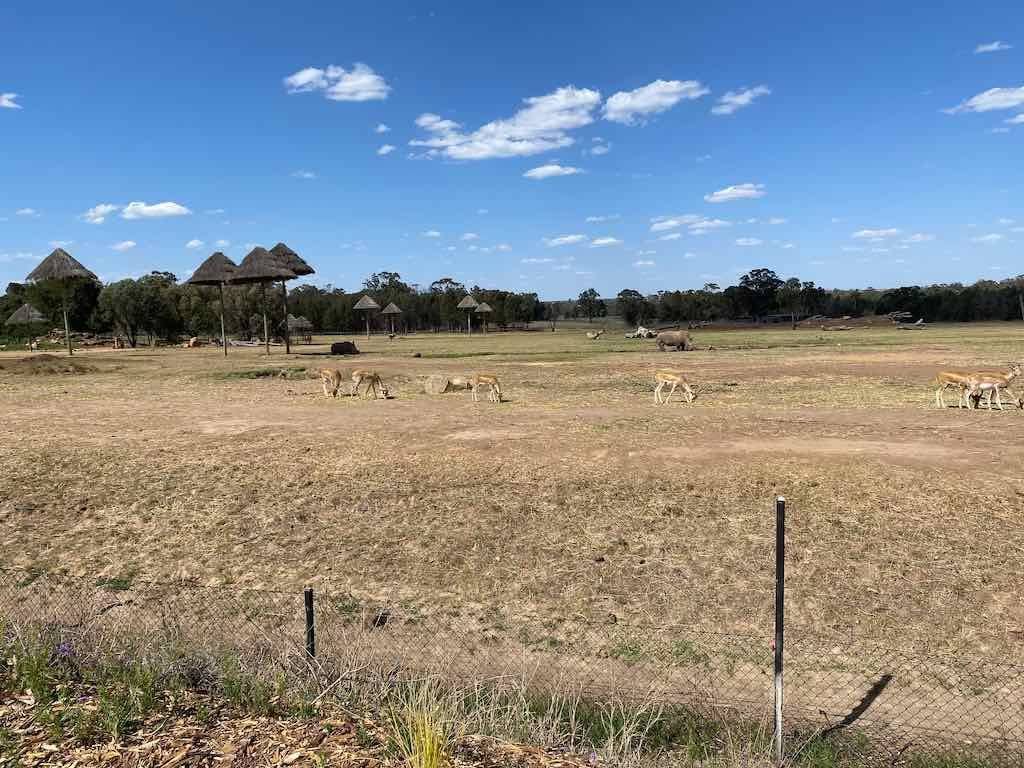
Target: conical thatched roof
point(59, 265)
point(289, 259)
point(215, 270)
point(391, 309)
point(260, 266)
point(468, 303)
point(366, 303)
point(26, 314)
point(483, 308)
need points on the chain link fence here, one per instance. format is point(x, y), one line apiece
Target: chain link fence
point(878, 703)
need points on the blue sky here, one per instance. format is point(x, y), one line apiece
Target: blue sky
point(535, 146)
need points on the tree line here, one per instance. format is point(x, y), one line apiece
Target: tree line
point(158, 306)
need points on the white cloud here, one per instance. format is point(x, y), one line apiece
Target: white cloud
point(535, 261)
point(551, 170)
point(381, 128)
point(431, 233)
point(1017, 120)
point(26, 212)
point(7, 101)
point(214, 212)
point(61, 243)
point(599, 219)
point(541, 125)
point(98, 213)
point(303, 175)
point(6, 258)
point(746, 191)
point(155, 211)
point(223, 243)
point(1017, 229)
point(360, 83)
point(450, 248)
point(643, 263)
point(703, 158)
point(876, 234)
point(689, 255)
point(386, 149)
point(698, 225)
point(663, 223)
point(1005, 222)
point(671, 236)
point(601, 242)
point(777, 220)
point(999, 129)
point(991, 238)
point(735, 100)
point(630, 107)
point(470, 236)
point(503, 247)
point(702, 226)
point(482, 211)
point(788, 246)
point(748, 241)
point(992, 47)
point(919, 237)
point(554, 242)
point(600, 149)
point(194, 243)
point(992, 99)
point(124, 245)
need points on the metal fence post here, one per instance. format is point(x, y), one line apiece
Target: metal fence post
point(310, 628)
point(780, 603)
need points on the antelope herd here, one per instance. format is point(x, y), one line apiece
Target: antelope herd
point(973, 387)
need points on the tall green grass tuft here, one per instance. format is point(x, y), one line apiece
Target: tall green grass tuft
point(424, 723)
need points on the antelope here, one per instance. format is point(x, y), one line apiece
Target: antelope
point(960, 380)
point(489, 380)
point(330, 378)
point(676, 379)
point(373, 381)
point(987, 383)
point(595, 335)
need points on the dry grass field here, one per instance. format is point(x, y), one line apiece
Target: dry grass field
point(577, 499)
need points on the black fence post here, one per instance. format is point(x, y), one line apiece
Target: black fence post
point(780, 604)
point(310, 627)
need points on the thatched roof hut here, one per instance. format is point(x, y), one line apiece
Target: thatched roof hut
point(216, 270)
point(59, 265)
point(483, 308)
point(26, 314)
point(62, 267)
point(366, 303)
point(391, 309)
point(468, 303)
point(299, 323)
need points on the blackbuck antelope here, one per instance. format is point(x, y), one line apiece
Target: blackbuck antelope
point(987, 383)
point(330, 378)
point(960, 381)
point(372, 380)
point(489, 380)
point(665, 377)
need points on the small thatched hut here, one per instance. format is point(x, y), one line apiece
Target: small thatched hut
point(291, 261)
point(216, 270)
point(261, 266)
point(366, 305)
point(61, 267)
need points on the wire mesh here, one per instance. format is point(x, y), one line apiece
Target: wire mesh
point(881, 703)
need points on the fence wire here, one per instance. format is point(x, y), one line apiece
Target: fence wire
point(880, 704)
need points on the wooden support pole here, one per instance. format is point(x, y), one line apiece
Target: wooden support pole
point(223, 334)
point(287, 330)
point(67, 328)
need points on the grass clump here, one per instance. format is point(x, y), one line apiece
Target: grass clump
point(424, 723)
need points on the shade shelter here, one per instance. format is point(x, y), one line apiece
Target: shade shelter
point(300, 326)
point(216, 270)
point(260, 266)
point(484, 310)
point(290, 260)
point(391, 310)
point(61, 267)
point(366, 305)
point(469, 304)
point(27, 315)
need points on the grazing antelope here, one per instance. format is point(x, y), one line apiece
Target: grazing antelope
point(987, 383)
point(595, 335)
point(960, 380)
point(330, 378)
point(489, 380)
point(372, 380)
point(676, 379)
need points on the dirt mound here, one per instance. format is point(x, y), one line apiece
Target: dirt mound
point(46, 365)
